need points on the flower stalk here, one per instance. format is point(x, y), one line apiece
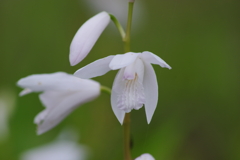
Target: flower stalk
point(126, 123)
point(126, 40)
point(106, 90)
point(118, 25)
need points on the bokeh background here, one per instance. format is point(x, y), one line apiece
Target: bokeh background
point(197, 117)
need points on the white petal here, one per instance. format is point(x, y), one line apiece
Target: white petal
point(57, 150)
point(62, 93)
point(61, 104)
point(145, 156)
point(151, 90)
point(94, 69)
point(118, 86)
point(154, 59)
point(123, 60)
point(25, 91)
point(58, 81)
point(86, 37)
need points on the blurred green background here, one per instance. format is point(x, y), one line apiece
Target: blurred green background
point(197, 117)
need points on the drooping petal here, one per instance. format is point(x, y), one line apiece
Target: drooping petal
point(145, 156)
point(62, 93)
point(86, 37)
point(94, 69)
point(150, 89)
point(123, 60)
point(154, 59)
point(61, 104)
point(118, 86)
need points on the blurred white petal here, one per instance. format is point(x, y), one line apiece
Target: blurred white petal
point(7, 105)
point(86, 37)
point(60, 149)
point(62, 93)
point(145, 156)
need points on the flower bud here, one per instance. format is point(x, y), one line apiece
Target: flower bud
point(86, 37)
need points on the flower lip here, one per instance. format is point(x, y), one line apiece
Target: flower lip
point(86, 37)
point(124, 83)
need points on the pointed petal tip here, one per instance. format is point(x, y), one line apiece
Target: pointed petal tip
point(86, 37)
point(24, 92)
point(39, 132)
point(149, 120)
point(72, 63)
point(154, 59)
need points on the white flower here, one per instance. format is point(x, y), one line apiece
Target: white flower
point(7, 105)
point(62, 93)
point(86, 37)
point(135, 83)
point(60, 149)
point(145, 156)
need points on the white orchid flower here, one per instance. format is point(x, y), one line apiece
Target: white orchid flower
point(62, 93)
point(135, 83)
point(57, 150)
point(145, 156)
point(86, 37)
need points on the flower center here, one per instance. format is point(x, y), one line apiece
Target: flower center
point(132, 96)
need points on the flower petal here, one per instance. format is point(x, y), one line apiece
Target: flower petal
point(123, 60)
point(58, 81)
point(145, 156)
point(86, 37)
point(59, 149)
point(118, 86)
point(154, 59)
point(62, 93)
point(94, 69)
point(61, 104)
point(150, 89)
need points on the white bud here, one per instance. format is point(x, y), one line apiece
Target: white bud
point(86, 37)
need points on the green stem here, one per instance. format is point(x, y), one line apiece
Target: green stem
point(129, 24)
point(105, 89)
point(127, 140)
point(126, 122)
point(118, 25)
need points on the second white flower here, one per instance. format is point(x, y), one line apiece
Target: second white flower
point(135, 83)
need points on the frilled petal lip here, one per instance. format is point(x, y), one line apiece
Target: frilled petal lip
point(154, 59)
point(86, 37)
